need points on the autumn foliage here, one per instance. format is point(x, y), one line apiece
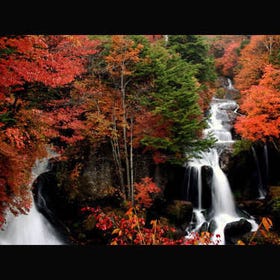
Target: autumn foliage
point(253, 59)
point(131, 93)
point(258, 81)
point(30, 65)
point(145, 192)
point(131, 229)
point(228, 61)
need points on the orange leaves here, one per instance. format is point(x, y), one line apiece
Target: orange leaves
point(261, 104)
point(264, 228)
point(271, 77)
point(253, 59)
point(267, 223)
point(261, 100)
point(145, 190)
point(122, 56)
point(132, 229)
point(240, 242)
point(228, 61)
point(117, 231)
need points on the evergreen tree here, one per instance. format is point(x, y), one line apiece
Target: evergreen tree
point(194, 50)
point(175, 98)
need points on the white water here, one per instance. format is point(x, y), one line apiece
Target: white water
point(33, 228)
point(260, 181)
point(230, 86)
point(223, 205)
point(266, 159)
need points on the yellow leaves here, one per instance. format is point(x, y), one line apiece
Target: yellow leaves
point(206, 234)
point(116, 231)
point(240, 242)
point(266, 223)
point(122, 54)
point(204, 238)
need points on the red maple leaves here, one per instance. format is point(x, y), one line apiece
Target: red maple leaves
point(261, 103)
point(29, 65)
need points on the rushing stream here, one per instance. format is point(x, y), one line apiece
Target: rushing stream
point(33, 228)
point(222, 209)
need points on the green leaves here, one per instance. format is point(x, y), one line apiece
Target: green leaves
point(194, 50)
point(175, 99)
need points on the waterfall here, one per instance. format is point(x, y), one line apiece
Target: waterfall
point(230, 86)
point(33, 228)
point(223, 209)
point(265, 152)
point(194, 185)
point(260, 185)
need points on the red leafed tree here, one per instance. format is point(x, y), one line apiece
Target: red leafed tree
point(253, 59)
point(145, 190)
point(29, 65)
point(261, 105)
point(51, 60)
point(149, 124)
point(228, 61)
point(225, 50)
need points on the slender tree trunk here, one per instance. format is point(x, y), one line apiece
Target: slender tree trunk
point(131, 161)
point(116, 153)
point(125, 134)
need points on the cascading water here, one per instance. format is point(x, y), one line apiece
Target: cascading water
point(261, 190)
point(266, 158)
point(262, 171)
point(230, 86)
point(223, 210)
point(265, 152)
point(33, 228)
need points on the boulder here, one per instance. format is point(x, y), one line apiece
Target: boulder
point(207, 175)
point(212, 226)
point(225, 157)
point(204, 227)
point(235, 230)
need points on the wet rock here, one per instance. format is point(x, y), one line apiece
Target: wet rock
point(212, 226)
point(235, 230)
point(204, 227)
point(207, 175)
point(225, 158)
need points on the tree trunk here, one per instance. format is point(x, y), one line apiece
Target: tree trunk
point(125, 134)
point(131, 161)
point(116, 153)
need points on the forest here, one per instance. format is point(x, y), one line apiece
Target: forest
point(146, 139)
